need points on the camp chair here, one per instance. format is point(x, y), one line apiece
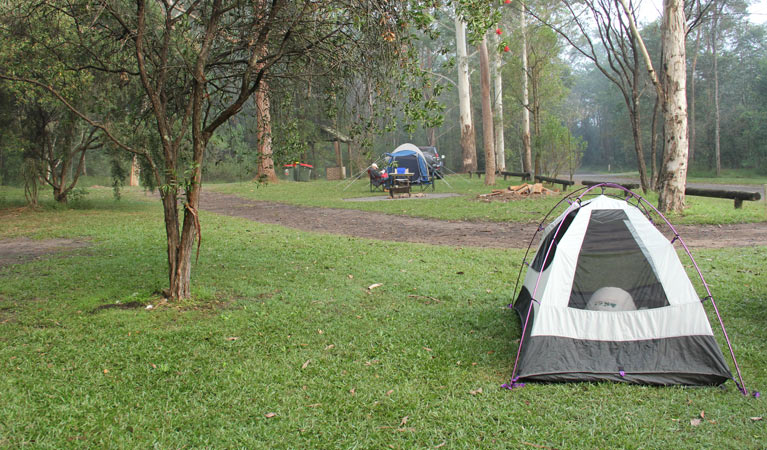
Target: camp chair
point(377, 182)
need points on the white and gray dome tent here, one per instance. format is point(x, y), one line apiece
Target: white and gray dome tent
point(607, 298)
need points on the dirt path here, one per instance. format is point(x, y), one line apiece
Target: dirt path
point(388, 227)
point(15, 251)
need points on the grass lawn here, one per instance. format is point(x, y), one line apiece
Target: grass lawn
point(728, 176)
point(333, 194)
point(284, 346)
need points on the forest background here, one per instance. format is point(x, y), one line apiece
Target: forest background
point(579, 117)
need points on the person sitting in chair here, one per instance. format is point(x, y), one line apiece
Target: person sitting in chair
point(377, 177)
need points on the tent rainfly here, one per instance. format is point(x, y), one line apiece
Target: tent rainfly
point(409, 157)
point(607, 298)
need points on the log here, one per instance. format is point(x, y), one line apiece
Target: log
point(738, 196)
point(564, 183)
point(523, 175)
point(626, 185)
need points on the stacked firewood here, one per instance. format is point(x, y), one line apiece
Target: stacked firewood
point(517, 192)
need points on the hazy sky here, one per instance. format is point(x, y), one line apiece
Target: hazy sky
point(651, 10)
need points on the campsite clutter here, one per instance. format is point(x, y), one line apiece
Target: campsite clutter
point(517, 192)
point(606, 298)
point(405, 167)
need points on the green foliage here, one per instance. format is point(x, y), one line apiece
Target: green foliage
point(77, 196)
point(118, 177)
point(479, 16)
point(560, 151)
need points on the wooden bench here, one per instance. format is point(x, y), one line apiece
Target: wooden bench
point(626, 185)
point(564, 183)
point(523, 175)
point(738, 196)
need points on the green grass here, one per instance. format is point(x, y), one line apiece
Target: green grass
point(727, 176)
point(331, 194)
point(339, 366)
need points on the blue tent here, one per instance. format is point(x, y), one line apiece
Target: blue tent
point(409, 158)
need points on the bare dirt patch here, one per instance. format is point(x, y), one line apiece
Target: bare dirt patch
point(128, 305)
point(387, 227)
point(16, 251)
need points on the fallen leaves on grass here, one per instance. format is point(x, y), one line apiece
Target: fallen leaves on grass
point(304, 365)
point(695, 422)
point(270, 415)
point(106, 370)
point(328, 347)
point(232, 338)
point(404, 421)
point(374, 285)
point(476, 391)
point(391, 391)
point(353, 391)
point(756, 419)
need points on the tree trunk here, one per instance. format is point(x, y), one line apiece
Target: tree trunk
point(264, 135)
point(133, 178)
point(487, 113)
point(339, 158)
point(351, 158)
point(170, 210)
point(468, 145)
point(432, 136)
point(500, 151)
point(691, 156)
point(313, 147)
point(636, 131)
point(654, 144)
point(535, 109)
point(527, 150)
point(674, 168)
point(714, 39)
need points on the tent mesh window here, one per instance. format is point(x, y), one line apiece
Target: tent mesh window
point(612, 262)
point(551, 240)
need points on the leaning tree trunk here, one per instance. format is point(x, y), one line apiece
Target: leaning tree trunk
point(487, 113)
point(468, 145)
point(264, 120)
point(527, 149)
point(674, 168)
